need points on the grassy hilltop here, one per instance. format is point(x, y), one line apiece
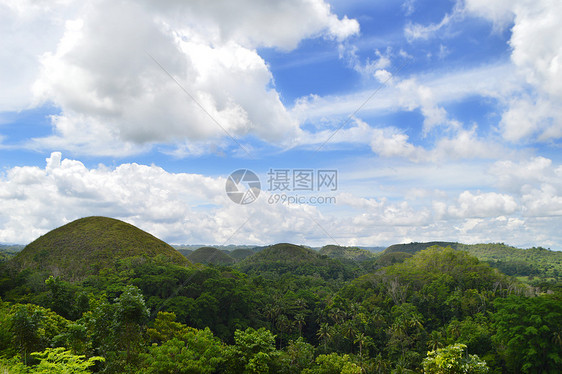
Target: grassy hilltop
point(87, 245)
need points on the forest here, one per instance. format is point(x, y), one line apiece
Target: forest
point(287, 309)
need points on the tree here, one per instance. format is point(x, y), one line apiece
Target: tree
point(60, 297)
point(60, 360)
point(183, 349)
point(253, 352)
point(130, 316)
point(453, 360)
point(362, 340)
point(526, 333)
point(298, 356)
point(300, 321)
point(334, 364)
point(25, 329)
point(325, 334)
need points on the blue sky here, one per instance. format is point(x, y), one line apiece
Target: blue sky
point(443, 119)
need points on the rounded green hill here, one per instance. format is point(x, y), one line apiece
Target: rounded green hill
point(87, 245)
point(241, 253)
point(289, 258)
point(210, 255)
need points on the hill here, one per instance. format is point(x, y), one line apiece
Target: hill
point(532, 262)
point(210, 255)
point(87, 245)
point(184, 252)
point(347, 253)
point(9, 251)
point(241, 253)
point(415, 247)
point(290, 258)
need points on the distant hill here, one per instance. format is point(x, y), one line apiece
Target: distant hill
point(11, 247)
point(241, 253)
point(210, 255)
point(9, 251)
point(391, 258)
point(284, 257)
point(510, 260)
point(532, 262)
point(347, 253)
point(416, 247)
point(184, 252)
point(87, 245)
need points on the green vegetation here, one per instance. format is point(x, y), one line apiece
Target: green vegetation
point(210, 255)
point(286, 258)
point(285, 309)
point(9, 251)
point(347, 253)
point(87, 245)
point(530, 263)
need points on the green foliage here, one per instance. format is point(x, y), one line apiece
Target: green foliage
point(292, 305)
point(59, 360)
point(182, 349)
point(13, 366)
point(297, 260)
point(298, 355)
point(34, 328)
point(347, 253)
point(253, 352)
point(334, 364)
point(415, 247)
point(528, 333)
point(9, 251)
point(532, 262)
point(453, 360)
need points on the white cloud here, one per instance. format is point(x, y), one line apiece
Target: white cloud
point(427, 93)
point(415, 31)
point(192, 208)
point(536, 44)
point(532, 111)
point(490, 204)
point(409, 6)
point(114, 99)
point(537, 182)
point(370, 67)
point(28, 29)
point(515, 176)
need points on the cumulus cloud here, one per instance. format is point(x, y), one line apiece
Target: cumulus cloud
point(536, 181)
point(537, 54)
point(192, 208)
point(130, 74)
point(532, 112)
point(488, 204)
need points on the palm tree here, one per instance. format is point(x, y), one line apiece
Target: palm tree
point(362, 340)
point(435, 340)
point(349, 332)
point(284, 325)
point(299, 320)
point(325, 333)
point(380, 364)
